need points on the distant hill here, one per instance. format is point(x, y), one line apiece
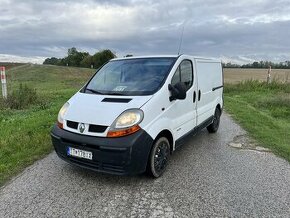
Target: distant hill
point(8, 65)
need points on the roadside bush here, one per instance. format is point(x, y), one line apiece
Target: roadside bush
point(255, 85)
point(277, 101)
point(2, 103)
point(21, 98)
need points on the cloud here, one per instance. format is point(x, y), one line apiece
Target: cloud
point(256, 28)
point(19, 59)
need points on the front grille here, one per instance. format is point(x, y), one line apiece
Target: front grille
point(72, 124)
point(97, 128)
point(92, 128)
point(96, 165)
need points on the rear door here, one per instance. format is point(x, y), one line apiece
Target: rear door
point(184, 110)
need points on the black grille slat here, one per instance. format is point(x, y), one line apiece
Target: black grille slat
point(72, 124)
point(97, 128)
point(97, 165)
point(92, 128)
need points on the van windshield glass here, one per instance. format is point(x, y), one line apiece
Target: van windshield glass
point(141, 76)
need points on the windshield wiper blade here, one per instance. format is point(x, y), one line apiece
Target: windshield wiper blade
point(94, 91)
point(104, 93)
point(114, 93)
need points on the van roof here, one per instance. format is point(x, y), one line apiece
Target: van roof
point(148, 56)
point(166, 56)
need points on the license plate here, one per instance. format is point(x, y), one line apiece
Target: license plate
point(79, 153)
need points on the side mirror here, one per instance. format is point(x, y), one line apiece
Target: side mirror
point(178, 91)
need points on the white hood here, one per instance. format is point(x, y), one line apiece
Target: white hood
point(90, 108)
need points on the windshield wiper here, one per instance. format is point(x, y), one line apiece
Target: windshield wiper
point(95, 91)
point(114, 93)
point(104, 93)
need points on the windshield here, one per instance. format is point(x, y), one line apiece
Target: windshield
point(142, 76)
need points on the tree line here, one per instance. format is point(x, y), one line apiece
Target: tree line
point(76, 58)
point(260, 64)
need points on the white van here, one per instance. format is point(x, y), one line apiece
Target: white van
point(134, 112)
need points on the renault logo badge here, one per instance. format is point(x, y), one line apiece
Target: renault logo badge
point(82, 127)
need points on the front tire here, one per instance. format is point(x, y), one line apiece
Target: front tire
point(159, 157)
point(214, 126)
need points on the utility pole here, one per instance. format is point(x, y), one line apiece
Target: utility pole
point(3, 82)
point(269, 75)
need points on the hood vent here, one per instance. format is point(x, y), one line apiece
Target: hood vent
point(117, 100)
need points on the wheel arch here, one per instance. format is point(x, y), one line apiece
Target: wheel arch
point(167, 134)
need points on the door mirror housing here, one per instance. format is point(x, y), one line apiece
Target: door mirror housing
point(178, 91)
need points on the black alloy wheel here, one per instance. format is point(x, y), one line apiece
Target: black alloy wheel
point(214, 126)
point(159, 157)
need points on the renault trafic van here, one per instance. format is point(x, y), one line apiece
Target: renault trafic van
point(134, 112)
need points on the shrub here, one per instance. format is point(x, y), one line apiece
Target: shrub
point(21, 98)
point(2, 103)
point(255, 85)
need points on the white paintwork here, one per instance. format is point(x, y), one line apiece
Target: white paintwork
point(89, 109)
point(209, 76)
point(179, 116)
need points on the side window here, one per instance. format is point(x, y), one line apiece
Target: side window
point(176, 77)
point(186, 73)
point(183, 74)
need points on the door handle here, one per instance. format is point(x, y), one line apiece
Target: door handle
point(199, 95)
point(194, 96)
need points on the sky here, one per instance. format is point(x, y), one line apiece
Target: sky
point(238, 31)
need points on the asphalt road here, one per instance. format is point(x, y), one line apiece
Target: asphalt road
point(205, 178)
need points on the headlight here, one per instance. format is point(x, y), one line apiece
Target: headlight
point(126, 123)
point(61, 114)
point(129, 118)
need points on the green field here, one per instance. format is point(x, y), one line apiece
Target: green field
point(24, 134)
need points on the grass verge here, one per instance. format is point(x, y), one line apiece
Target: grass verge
point(27, 117)
point(264, 111)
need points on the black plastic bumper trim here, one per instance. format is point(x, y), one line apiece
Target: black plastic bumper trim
point(126, 155)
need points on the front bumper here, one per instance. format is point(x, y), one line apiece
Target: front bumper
point(126, 155)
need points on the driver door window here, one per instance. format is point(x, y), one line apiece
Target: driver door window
point(184, 73)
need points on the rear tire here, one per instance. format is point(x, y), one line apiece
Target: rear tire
point(214, 126)
point(159, 157)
